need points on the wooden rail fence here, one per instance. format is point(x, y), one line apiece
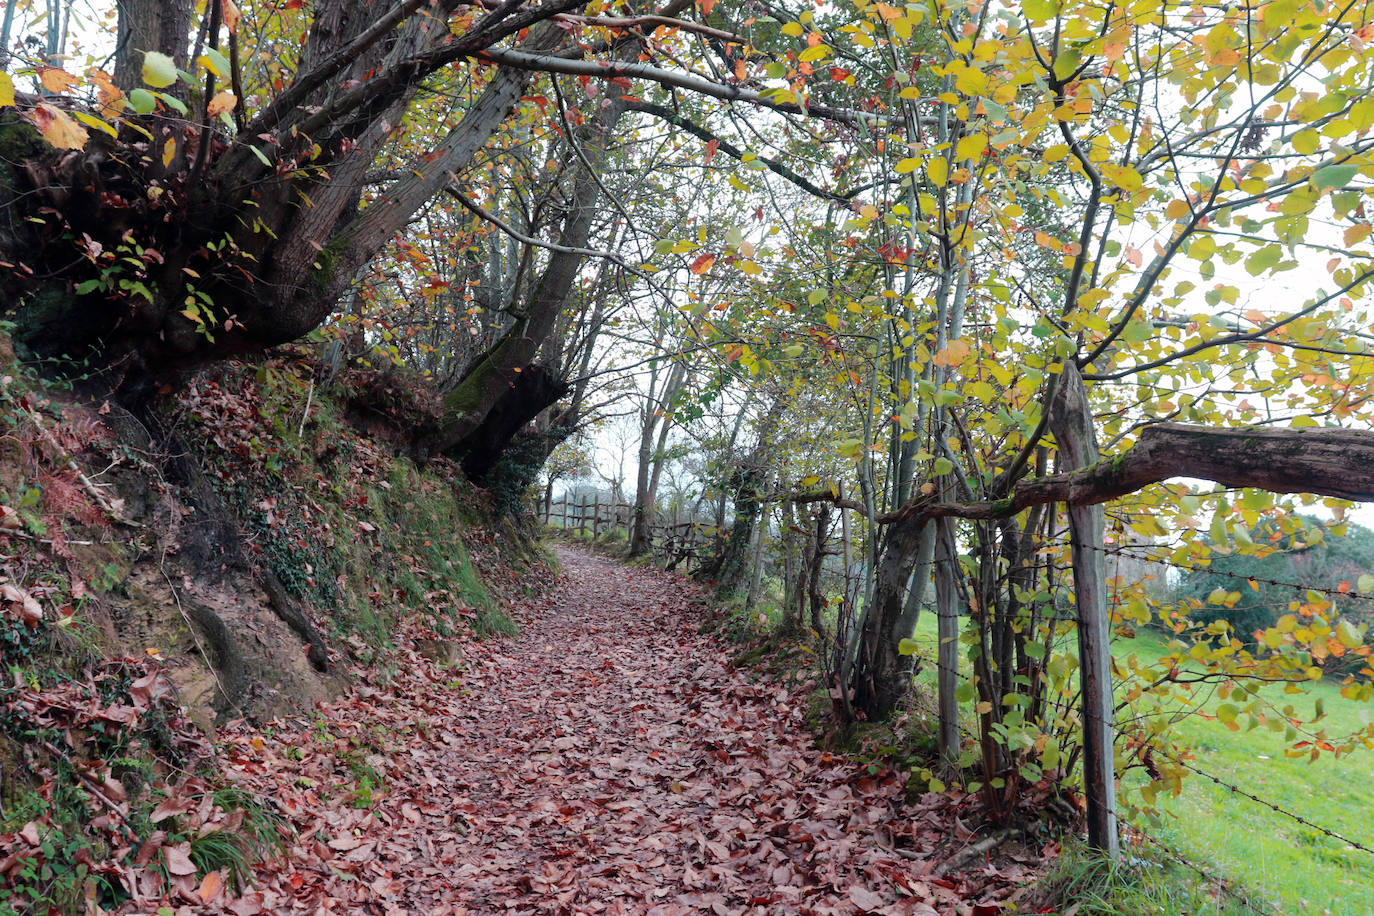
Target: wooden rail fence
point(680, 543)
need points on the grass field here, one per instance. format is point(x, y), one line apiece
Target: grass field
point(1296, 867)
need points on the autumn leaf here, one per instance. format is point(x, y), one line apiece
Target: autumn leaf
point(178, 859)
point(229, 12)
point(210, 887)
point(954, 354)
point(57, 127)
point(223, 101)
point(6, 90)
point(55, 79)
point(703, 263)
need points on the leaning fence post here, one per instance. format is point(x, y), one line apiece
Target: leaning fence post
point(1071, 421)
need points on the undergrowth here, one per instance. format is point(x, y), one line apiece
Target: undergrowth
point(345, 523)
point(1144, 883)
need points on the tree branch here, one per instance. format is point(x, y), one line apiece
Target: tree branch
point(687, 81)
point(1326, 462)
point(734, 152)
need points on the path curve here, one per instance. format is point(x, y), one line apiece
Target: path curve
point(605, 761)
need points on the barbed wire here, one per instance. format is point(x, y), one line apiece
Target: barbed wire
point(1163, 561)
point(1293, 815)
point(1220, 882)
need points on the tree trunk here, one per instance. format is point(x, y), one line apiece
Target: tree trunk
point(229, 258)
point(880, 675)
point(655, 421)
point(947, 652)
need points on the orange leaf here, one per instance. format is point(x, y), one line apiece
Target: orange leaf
point(55, 79)
point(229, 10)
point(703, 263)
point(210, 886)
point(707, 6)
point(223, 101)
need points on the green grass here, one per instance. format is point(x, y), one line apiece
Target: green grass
point(1146, 884)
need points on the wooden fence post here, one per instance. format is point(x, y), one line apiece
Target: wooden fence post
point(596, 514)
point(1071, 421)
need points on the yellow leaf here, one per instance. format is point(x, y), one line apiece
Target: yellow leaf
point(58, 128)
point(1123, 176)
point(6, 90)
point(793, 28)
point(169, 151)
point(971, 82)
point(1177, 209)
point(908, 164)
point(868, 211)
point(223, 101)
point(938, 171)
point(93, 121)
point(1356, 234)
point(971, 147)
point(1056, 152)
point(1305, 142)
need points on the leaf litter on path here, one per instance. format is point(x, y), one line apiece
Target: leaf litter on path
point(605, 761)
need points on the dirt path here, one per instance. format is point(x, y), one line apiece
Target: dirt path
point(604, 761)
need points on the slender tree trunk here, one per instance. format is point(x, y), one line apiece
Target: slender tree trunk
point(947, 652)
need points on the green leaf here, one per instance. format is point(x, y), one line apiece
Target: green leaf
point(1264, 259)
point(942, 467)
point(1333, 176)
point(159, 70)
point(215, 62)
point(142, 101)
point(908, 647)
point(1348, 635)
point(88, 287)
point(1226, 713)
point(1039, 10)
point(173, 103)
point(1066, 63)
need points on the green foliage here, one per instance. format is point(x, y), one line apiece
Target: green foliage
point(1242, 588)
point(1146, 883)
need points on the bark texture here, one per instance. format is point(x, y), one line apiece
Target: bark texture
point(1327, 462)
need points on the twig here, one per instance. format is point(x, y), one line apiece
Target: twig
point(974, 851)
